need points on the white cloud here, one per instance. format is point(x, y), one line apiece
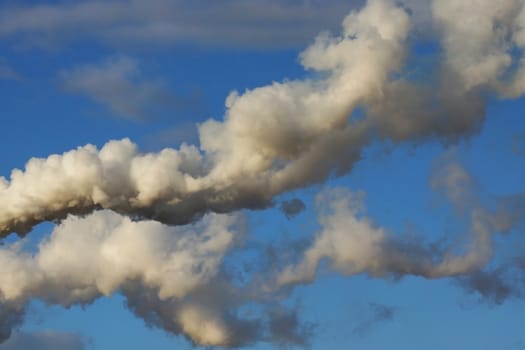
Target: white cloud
point(479, 37)
point(100, 253)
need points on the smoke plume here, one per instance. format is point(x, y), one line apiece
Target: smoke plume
point(287, 135)
point(353, 244)
point(128, 222)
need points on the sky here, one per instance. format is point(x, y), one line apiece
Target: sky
point(262, 174)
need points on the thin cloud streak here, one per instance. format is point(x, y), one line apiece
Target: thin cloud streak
point(251, 24)
point(378, 314)
point(46, 340)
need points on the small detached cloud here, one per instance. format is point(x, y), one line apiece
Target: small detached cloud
point(378, 314)
point(46, 340)
point(292, 207)
point(287, 329)
point(119, 85)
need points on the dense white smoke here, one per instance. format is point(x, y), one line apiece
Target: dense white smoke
point(85, 258)
point(272, 139)
point(176, 277)
point(292, 134)
point(479, 38)
point(98, 253)
point(173, 277)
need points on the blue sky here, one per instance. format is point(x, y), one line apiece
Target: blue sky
point(368, 183)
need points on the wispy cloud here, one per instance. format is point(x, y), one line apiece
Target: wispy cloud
point(496, 285)
point(232, 23)
point(46, 340)
point(287, 329)
point(119, 84)
point(518, 144)
point(7, 72)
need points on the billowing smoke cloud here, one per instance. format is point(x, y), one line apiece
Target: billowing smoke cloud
point(85, 258)
point(353, 244)
point(213, 318)
point(479, 38)
point(172, 277)
point(176, 277)
point(272, 139)
point(98, 254)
